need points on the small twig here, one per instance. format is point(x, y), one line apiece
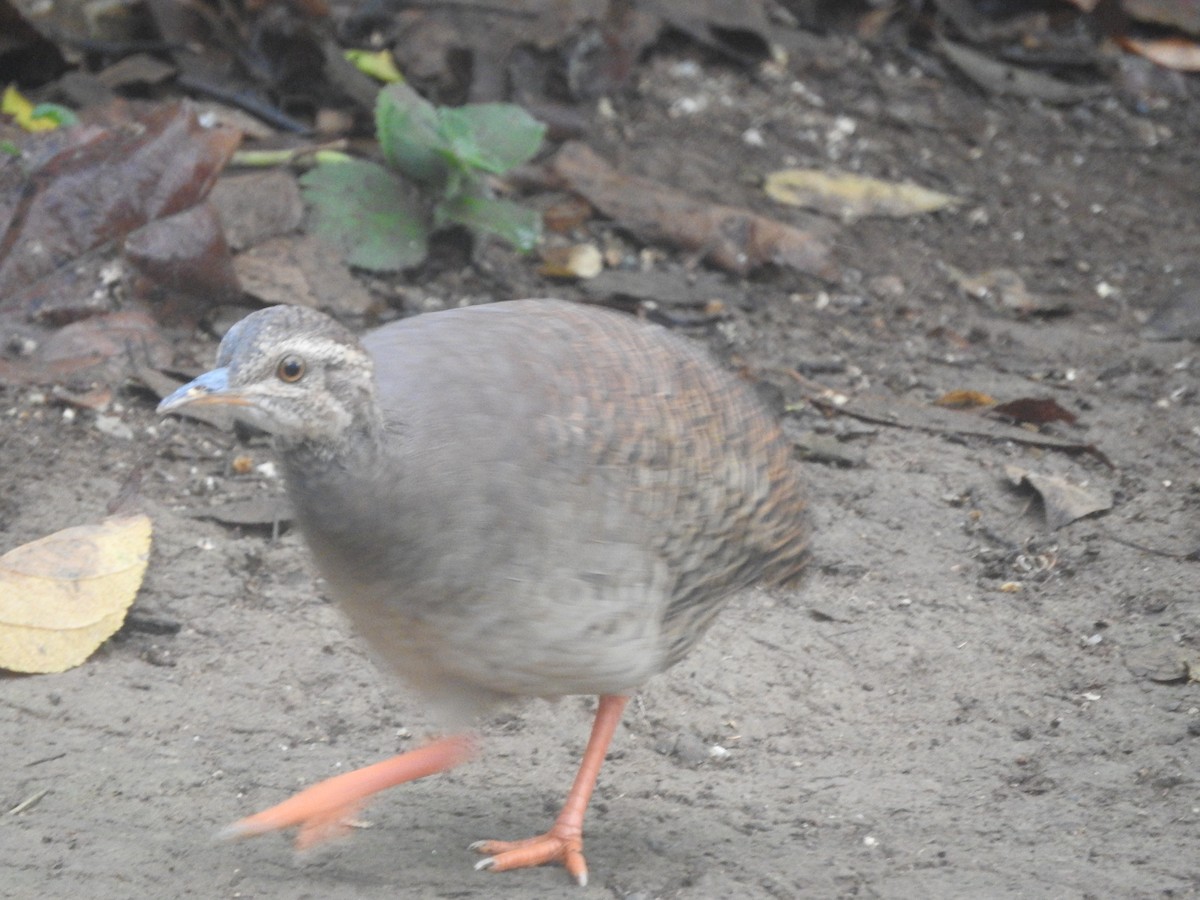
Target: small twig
point(115, 48)
point(263, 159)
point(1191, 556)
point(932, 420)
point(384, 8)
point(44, 759)
point(246, 101)
point(28, 802)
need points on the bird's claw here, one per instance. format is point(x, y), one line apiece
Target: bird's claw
point(537, 851)
point(315, 827)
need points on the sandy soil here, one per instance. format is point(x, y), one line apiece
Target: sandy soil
point(899, 727)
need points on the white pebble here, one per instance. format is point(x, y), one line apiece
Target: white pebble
point(114, 427)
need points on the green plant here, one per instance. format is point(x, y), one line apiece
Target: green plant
point(438, 160)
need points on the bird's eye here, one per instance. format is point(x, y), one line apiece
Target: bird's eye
point(290, 369)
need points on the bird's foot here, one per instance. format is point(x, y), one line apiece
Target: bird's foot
point(329, 809)
point(319, 818)
point(559, 844)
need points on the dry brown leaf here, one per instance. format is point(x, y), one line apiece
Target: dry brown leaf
point(852, 197)
point(303, 270)
point(1033, 411)
point(98, 347)
point(64, 595)
point(1003, 289)
point(1161, 663)
point(1062, 501)
point(108, 182)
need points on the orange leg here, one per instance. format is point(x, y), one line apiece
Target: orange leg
point(326, 809)
point(564, 841)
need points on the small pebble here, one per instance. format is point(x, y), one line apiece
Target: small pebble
point(112, 426)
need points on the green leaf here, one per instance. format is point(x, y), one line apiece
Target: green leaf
point(59, 115)
point(407, 127)
point(373, 216)
point(520, 226)
point(493, 137)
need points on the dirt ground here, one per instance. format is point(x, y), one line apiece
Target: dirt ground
point(902, 726)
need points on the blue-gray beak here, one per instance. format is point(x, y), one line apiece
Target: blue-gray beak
point(209, 389)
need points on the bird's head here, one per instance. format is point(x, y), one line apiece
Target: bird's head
point(291, 371)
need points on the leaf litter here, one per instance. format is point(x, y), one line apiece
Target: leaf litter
point(64, 595)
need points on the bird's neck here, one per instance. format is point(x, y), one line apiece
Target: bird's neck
point(338, 489)
point(361, 445)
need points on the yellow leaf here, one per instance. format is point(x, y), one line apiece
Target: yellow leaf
point(378, 64)
point(64, 595)
point(579, 261)
point(964, 399)
point(14, 103)
point(851, 197)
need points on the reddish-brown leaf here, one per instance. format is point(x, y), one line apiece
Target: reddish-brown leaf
point(97, 191)
point(1034, 411)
